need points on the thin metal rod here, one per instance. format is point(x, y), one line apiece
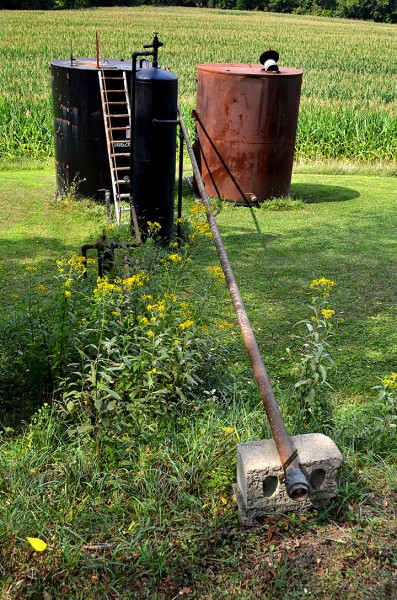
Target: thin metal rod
point(97, 50)
point(180, 181)
point(134, 221)
point(295, 481)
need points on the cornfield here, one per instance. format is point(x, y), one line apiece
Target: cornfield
point(349, 95)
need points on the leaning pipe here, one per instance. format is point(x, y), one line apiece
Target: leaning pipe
point(296, 484)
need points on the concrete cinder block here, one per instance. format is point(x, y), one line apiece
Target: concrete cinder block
point(260, 491)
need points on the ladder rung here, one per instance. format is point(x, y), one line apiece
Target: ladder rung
point(122, 181)
point(118, 128)
point(120, 154)
point(121, 169)
point(107, 77)
point(110, 115)
point(124, 196)
point(111, 103)
point(115, 91)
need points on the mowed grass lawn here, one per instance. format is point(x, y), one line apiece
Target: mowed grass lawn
point(154, 516)
point(163, 543)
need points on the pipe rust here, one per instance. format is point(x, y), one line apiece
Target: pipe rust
point(295, 481)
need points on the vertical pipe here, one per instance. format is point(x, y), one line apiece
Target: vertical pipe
point(180, 181)
point(97, 50)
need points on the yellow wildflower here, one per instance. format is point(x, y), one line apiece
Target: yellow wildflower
point(186, 324)
point(154, 226)
point(197, 209)
point(322, 283)
point(31, 269)
point(391, 381)
point(225, 325)
point(202, 227)
point(171, 297)
point(41, 288)
point(175, 258)
point(217, 271)
point(136, 280)
point(68, 293)
point(105, 288)
point(150, 334)
point(327, 313)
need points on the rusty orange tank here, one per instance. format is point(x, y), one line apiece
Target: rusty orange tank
point(246, 120)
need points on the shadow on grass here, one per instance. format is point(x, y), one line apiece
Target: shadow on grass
point(313, 193)
point(31, 248)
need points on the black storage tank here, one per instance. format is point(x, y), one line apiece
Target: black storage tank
point(154, 160)
point(80, 142)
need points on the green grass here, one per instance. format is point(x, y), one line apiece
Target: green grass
point(168, 518)
point(348, 108)
point(37, 229)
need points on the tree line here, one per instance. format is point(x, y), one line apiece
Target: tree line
point(375, 10)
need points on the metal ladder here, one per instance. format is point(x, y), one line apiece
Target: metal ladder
point(117, 119)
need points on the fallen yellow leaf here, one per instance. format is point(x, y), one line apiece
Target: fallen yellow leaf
point(37, 544)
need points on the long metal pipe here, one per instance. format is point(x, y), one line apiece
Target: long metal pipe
point(296, 484)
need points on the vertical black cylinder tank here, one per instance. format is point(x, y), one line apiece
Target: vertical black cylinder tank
point(80, 143)
point(154, 158)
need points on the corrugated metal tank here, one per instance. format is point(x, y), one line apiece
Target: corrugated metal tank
point(246, 126)
point(80, 141)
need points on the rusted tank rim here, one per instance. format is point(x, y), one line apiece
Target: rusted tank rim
point(91, 64)
point(296, 484)
point(247, 69)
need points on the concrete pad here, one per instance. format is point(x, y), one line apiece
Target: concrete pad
point(260, 490)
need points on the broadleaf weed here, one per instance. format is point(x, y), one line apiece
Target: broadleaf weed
point(315, 360)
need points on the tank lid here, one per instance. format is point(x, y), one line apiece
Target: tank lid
point(156, 75)
point(242, 69)
point(91, 64)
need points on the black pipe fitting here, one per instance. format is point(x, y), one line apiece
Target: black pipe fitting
point(296, 484)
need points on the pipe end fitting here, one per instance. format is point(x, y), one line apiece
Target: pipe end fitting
point(297, 486)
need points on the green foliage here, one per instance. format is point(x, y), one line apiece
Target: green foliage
point(152, 514)
point(388, 398)
point(377, 10)
point(121, 351)
point(280, 204)
point(71, 4)
point(348, 117)
point(140, 352)
point(315, 361)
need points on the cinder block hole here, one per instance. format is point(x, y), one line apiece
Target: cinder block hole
point(270, 485)
point(317, 478)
